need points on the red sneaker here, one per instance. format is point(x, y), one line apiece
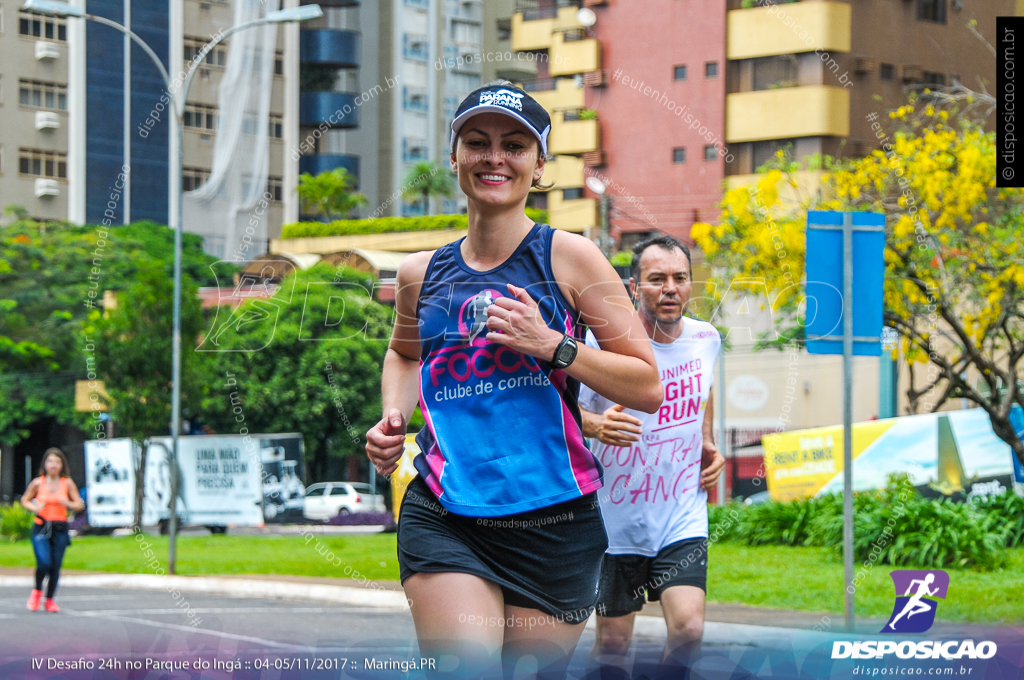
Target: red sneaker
point(33, 600)
point(51, 606)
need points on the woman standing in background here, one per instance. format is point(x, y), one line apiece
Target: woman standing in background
point(49, 496)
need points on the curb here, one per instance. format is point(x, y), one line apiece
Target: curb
point(277, 590)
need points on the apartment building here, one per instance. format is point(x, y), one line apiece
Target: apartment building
point(33, 112)
point(662, 100)
point(75, 111)
point(417, 60)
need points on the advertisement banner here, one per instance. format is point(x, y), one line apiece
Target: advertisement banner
point(942, 453)
point(109, 482)
point(284, 488)
point(219, 481)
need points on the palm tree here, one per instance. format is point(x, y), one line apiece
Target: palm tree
point(425, 180)
point(329, 194)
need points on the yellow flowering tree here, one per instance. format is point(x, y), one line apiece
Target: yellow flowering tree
point(954, 283)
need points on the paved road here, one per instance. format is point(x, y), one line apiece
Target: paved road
point(122, 624)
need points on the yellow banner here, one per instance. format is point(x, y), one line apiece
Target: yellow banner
point(799, 464)
point(404, 473)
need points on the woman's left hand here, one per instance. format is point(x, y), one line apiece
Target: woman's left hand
point(522, 328)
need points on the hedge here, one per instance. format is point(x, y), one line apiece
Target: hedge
point(385, 225)
point(895, 526)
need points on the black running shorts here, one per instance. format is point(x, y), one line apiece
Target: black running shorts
point(547, 559)
point(625, 579)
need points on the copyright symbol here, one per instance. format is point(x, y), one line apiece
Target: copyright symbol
point(1007, 173)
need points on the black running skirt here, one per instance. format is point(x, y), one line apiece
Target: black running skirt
point(547, 559)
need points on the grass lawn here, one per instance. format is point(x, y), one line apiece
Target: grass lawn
point(803, 579)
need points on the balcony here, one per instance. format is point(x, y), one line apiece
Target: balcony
point(47, 187)
point(336, 109)
point(556, 94)
point(762, 32)
point(564, 172)
point(573, 136)
point(330, 47)
point(813, 111)
point(326, 162)
point(576, 214)
point(568, 57)
point(47, 120)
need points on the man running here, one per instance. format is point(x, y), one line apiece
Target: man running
point(914, 604)
point(654, 502)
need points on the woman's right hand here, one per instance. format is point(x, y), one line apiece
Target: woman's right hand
point(385, 442)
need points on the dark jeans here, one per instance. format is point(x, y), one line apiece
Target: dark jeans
point(49, 544)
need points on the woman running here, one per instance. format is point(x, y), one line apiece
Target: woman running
point(49, 496)
point(500, 539)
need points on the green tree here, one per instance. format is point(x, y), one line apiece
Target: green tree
point(133, 357)
point(426, 180)
point(330, 194)
point(308, 359)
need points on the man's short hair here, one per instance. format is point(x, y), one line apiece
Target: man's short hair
point(663, 240)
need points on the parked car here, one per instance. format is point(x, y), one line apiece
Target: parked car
point(758, 498)
point(327, 499)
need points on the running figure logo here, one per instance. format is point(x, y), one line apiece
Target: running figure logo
point(473, 315)
point(912, 613)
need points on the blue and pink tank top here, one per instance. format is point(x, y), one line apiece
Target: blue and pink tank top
point(503, 431)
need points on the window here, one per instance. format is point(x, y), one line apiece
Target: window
point(414, 150)
point(765, 151)
point(934, 79)
point(42, 95)
point(361, 488)
point(679, 72)
point(275, 187)
point(339, 491)
point(276, 124)
point(711, 69)
point(504, 29)
point(679, 154)
point(886, 71)
point(466, 32)
point(415, 99)
point(315, 492)
point(463, 83)
point(710, 152)
point(415, 47)
point(279, 63)
point(193, 178)
point(200, 116)
point(931, 10)
point(218, 56)
point(40, 26)
point(772, 73)
point(39, 163)
point(571, 194)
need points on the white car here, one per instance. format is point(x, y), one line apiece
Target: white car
point(328, 499)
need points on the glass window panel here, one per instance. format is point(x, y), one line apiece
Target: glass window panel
point(49, 99)
point(25, 26)
point(62, 169)
point(62, 101)
point(24, 165)
point(37, 98)
point(37, 166)
point(36, 27)
point(62, 33)
point(49, 167)
point(25, 96)
point(49, 30)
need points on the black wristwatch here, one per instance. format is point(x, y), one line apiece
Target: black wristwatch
point(565, 353)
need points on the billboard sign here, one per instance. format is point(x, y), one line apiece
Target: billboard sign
point(109, 482)
point(943, 453)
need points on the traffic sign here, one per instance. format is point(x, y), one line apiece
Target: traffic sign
point(825, 281)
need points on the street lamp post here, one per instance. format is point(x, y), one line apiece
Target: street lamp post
point(175, 194)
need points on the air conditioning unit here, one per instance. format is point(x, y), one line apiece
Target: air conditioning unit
point(859, 148)
point(597, 78)
point(47, 120)
point(593, 159)
point(865, 65)
point(911, 73)
point(47, 50)
point(47, 187)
